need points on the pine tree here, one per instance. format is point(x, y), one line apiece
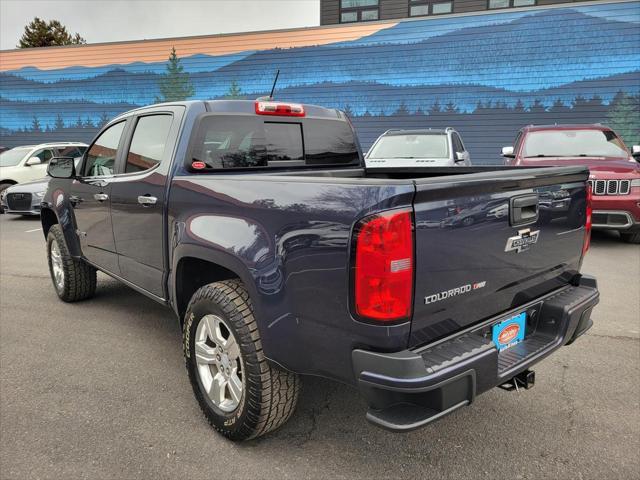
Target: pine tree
point(402, 110)
point(234, 92)
point(624, 118)
point(59, 123)
point(79, 122)
point(348, 112)
point(35, 125)
point(451, 108)
point(175, 84)
point(39, 33)
point(88, 123)
point(103, 120)
point(435, 108)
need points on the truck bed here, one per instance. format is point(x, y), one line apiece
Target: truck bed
point(292, 231)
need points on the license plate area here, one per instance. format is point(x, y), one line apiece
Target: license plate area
point(509, 332)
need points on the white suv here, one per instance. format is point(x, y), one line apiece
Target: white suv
point(423, 147)
point(24, 164)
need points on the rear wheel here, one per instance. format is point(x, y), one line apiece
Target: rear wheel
point(73, 279)
point(240, 392)
point(631, 237)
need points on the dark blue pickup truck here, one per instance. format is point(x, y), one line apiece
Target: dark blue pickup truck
point(257, 223)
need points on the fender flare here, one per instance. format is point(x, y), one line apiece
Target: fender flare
point(223, 259)
point(65, 218)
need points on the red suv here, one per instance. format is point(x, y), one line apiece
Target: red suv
point(615, 172)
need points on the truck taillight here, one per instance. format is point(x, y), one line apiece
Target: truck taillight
point(277, 108)
point(588, 220)
point(383, 269)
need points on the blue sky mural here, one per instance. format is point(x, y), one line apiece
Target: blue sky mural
point(576, 63)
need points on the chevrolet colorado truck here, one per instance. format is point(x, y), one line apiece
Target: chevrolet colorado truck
point(614, 177)
point(282, 255)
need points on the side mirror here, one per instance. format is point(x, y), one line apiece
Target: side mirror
point(508, 152)
point(61, 167)
point(33, 161)
point(461, 156)
point(635, 151)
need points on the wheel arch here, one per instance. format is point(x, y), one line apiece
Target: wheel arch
point(195, 266)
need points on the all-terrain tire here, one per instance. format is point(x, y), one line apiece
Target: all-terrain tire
point(269, 393)
point(79, 282)
point(630, 237)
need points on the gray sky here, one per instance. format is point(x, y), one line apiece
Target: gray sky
point(114, 20)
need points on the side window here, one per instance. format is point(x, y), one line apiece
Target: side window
point(101, 157)
point(457, 143)
point(148, 142)
point(516, 145)
point(44, 155)
point(71, 151)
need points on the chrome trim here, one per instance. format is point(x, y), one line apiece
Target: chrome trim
point(610, 187)
point(627, 215)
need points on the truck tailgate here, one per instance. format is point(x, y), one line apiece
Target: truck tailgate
point(472, 261)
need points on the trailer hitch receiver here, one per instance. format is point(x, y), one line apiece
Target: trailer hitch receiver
point(525, 380)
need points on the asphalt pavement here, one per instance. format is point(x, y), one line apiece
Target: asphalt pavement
point(98, 390)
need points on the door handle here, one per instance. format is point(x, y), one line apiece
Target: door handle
point(146, 200)
point(101, 197)
point(523, 210)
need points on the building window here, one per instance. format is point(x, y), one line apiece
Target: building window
point(510, 3)
point(358, 10)
point(421, 8)
point(441, 8)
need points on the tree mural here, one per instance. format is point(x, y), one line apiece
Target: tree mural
point(624, 118)
point(175, 85)
point(235, 92)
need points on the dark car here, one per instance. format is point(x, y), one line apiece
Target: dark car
point(281, 254)
point(615, 171)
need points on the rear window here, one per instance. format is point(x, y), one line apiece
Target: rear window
point(230, 142)
point(411, 146)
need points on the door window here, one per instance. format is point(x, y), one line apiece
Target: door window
point(44, 155)
point(101, 157)
point(72, 151)
point(457, 143)
point(148, 143)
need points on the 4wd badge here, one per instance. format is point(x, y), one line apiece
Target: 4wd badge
point(522, 241)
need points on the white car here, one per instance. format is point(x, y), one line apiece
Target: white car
point(28, 163)
point(424, 147)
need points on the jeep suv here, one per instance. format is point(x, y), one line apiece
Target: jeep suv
point(614, 177)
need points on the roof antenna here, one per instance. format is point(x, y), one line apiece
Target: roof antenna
point(275, 80)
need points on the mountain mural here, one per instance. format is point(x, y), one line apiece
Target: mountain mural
point(572, 63)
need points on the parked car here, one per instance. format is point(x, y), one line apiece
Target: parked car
point(23, 198)
point(28, 163)
point(615, 171)
point(280, 254)
point(418, 148)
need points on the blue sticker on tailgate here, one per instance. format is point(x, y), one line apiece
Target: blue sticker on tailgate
point(509, 332)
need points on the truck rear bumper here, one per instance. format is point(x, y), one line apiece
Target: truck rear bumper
point(412, 388)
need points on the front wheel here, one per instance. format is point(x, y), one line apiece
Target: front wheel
point(630, 237)
point(73, 279)
point(240, 392)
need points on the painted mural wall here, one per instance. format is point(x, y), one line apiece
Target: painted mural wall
point(486, 75)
